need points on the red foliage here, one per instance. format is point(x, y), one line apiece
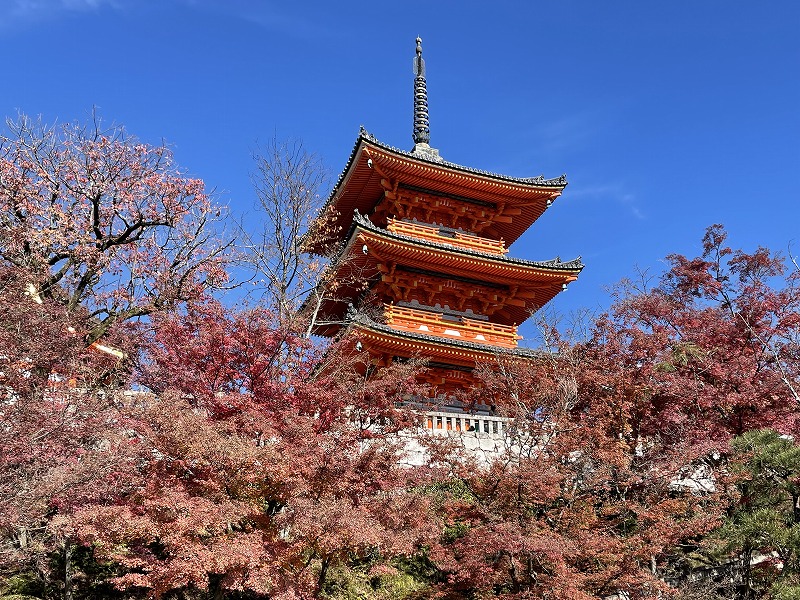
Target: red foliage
point(259, 462)
point(714, 346)
point(59, 434)
point(621, 437)
point(251, 470)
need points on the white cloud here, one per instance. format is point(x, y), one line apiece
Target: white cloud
point(275, 16)
point(22, 11)
point(609, 192)
point(569, 132)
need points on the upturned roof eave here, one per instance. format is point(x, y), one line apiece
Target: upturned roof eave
point(568, 271)
point(539, 182)
point(359, 221)
point(364, 138)
point(365, 322)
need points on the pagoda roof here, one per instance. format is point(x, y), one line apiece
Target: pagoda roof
point(539, 181)
point(359, 187)
point(556, 264)
point(540, 281)
point(440, 349)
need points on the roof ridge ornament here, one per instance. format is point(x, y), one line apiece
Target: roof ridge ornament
point(422, 131)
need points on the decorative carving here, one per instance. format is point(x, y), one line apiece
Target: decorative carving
point(441, 210)
point(442, 293)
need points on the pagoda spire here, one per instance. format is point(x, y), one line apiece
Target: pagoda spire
point(422, 132)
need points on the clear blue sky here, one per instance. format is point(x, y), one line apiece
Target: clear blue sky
point(665, 116)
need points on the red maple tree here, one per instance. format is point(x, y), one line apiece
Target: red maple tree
point(623, 439)
point(253, 472)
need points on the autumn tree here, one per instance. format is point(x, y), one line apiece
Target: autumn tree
point(713, 346)
point(256, 464)
point(60, 432)
point(103, 222)
point(96, 230)
point(569, 510)
point(624, 451)
point(254, 474)
point(706, 354)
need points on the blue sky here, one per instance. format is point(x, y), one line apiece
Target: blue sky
point(665, 116)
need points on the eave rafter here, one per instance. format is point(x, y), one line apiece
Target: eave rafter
point(435, 193)
point(492, 268)
point(440, 210)
point(470, 183)
point(382, 340)
point(429, 288)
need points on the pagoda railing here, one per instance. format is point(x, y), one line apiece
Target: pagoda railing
point(441, 422)
point(453, 422)
point(455, 238)
point(468, 330)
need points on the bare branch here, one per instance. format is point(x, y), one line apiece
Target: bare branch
point(104, 221)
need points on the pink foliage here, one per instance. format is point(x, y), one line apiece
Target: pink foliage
point(105, 222)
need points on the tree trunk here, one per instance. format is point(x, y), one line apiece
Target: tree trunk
point(215, 590)
point(747, 559)
point(323, 573)
point(68, 551)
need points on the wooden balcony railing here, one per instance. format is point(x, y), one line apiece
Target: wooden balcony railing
point(442, 422)
point(456, 238)
point(452, 424)
point(468, 330)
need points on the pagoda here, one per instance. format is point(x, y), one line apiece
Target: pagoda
point(421, 266)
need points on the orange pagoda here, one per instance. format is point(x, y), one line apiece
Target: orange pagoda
point(421, 267)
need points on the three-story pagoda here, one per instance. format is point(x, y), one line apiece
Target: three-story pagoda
point(422, 266)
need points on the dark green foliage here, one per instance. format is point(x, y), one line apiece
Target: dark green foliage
point(758, 545)
point(368, 579)
point(89, 582)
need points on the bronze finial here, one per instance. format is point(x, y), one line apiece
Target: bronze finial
point(422, 132)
